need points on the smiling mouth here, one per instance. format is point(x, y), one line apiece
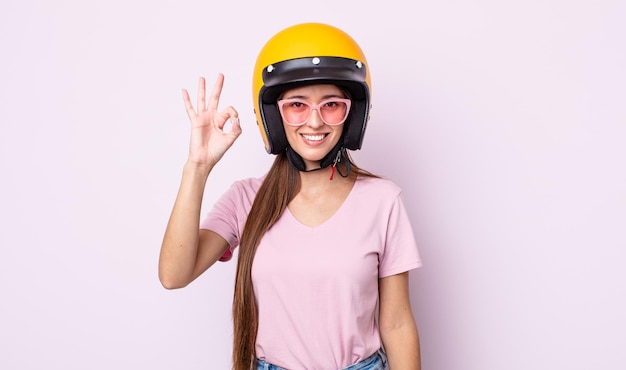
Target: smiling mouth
point(317, 137)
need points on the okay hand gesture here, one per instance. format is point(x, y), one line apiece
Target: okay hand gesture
point(209, 141)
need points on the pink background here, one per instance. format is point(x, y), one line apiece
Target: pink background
point(504, 122)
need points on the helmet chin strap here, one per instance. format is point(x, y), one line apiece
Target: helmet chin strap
point(335, 157)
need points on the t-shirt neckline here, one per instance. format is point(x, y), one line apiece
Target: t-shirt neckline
point(337, 213)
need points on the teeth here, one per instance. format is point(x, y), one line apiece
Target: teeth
point(313, 137)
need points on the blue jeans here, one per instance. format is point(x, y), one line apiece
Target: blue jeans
point(377, 361)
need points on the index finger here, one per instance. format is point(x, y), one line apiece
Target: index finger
point(214, 99)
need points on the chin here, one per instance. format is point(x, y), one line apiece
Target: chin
point(313, 157)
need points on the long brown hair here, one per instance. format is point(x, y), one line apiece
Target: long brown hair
point(281, 185)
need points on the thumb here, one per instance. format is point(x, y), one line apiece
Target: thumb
point(235, 128)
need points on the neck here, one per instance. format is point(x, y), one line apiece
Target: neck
point(321, 178)
point(316, 176)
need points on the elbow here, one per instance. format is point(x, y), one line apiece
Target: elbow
point(171, 283)
point(172, 277)
point(171, 286)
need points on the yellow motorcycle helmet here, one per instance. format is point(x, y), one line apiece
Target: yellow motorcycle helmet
point(304, 54)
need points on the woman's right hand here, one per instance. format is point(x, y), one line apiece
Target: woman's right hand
point(209, 141)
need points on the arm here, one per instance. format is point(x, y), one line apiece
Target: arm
point(397, 325)
point(186, 251)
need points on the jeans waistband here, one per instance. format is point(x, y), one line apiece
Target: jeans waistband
point(377, 361)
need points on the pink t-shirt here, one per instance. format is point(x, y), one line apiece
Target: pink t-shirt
point(317, 287)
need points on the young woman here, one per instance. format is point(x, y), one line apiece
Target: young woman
point(324, 246)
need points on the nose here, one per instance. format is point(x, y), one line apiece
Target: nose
point(315, 121)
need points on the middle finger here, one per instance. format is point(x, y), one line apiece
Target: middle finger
point(217, 91)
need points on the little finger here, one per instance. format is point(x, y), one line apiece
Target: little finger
point(191, 112)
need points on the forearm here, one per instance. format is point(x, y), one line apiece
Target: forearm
point(179, 249)
point(402, 346)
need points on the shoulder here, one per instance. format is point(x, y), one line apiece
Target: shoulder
point(248, 185)
point(378, 187)
point(242, 191)
point(377, 194)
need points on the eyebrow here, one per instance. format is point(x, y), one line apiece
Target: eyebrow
point(306, 97)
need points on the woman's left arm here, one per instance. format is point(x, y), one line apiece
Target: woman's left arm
point(397, 325)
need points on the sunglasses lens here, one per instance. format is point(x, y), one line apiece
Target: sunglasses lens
point(334, 112)
point(296, 112)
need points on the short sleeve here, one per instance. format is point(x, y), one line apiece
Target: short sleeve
point(400, 253)
point(228, 215)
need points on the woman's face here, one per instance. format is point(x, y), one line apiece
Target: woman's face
point(317, 130)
